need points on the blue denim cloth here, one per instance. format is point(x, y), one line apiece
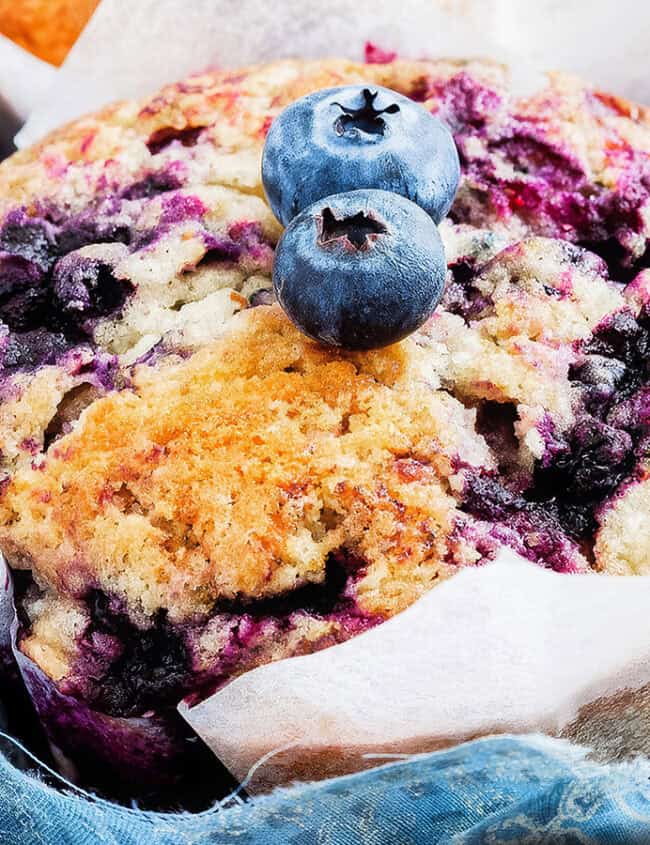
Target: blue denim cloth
point(505, 789)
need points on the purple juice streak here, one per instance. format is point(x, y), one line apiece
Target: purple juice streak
point(98, 368)
point(526, 147)
point(158, 182)
point(242, 239)
point(177, 208)
point(250, 235)
point(463, 103)
point(550, 189)
point(159, 351)
point(220, 249)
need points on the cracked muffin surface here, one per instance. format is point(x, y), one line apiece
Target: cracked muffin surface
point(262, 469)
point(191, 487)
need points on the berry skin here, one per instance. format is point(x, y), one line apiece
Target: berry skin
point(85, 287)
point(344, 139)
point(360, 270)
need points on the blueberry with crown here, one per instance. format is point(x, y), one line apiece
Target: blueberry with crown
point(344, 139)
point(361, 269)
point(362, 265)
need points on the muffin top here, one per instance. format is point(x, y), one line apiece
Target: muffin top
point(236, 473)
point(169, 440)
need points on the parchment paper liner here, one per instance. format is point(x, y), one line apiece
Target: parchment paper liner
point(504, 648)
point(130, 49)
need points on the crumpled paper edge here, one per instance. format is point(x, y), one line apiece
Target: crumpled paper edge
point(129, 50)
point(454, 676)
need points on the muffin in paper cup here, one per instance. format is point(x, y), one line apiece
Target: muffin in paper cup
point(194, 488)
point(155, 757)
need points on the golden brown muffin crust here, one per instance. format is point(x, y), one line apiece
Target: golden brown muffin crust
point(237, 472)
point(47, 28)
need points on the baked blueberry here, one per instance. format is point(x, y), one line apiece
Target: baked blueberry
point(86, 287)
point(30, 238)
point(343, 139)
point(360, 270)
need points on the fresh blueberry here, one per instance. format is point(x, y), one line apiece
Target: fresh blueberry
point(360, 270)
point(343, 139)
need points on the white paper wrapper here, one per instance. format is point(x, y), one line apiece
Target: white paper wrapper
point(508, 647)
point(130, 49)
point(23, 78)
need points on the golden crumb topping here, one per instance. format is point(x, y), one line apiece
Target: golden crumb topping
point(237, 472)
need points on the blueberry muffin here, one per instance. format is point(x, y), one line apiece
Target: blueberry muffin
point(191, 487)
point(47, 28)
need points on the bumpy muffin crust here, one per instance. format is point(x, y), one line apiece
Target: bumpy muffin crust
point(244, 468)
point(196, 488)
